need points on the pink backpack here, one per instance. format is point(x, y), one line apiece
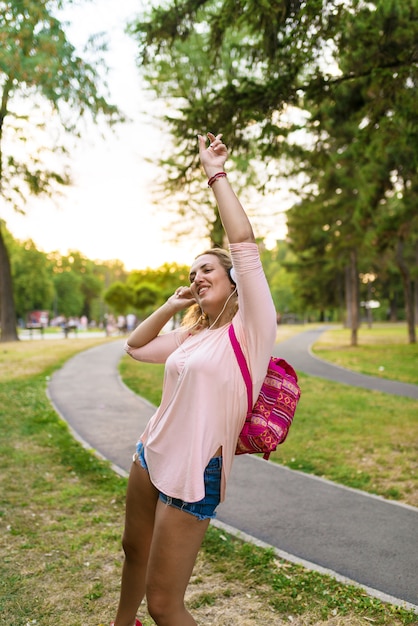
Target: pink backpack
point(268, 421)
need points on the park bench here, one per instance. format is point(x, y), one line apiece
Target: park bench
point(67, 328)
point(31, 326)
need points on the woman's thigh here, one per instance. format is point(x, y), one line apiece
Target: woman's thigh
point(141, 501)
point(176, 540)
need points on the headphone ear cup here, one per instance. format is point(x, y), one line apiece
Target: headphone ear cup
point(231, 274)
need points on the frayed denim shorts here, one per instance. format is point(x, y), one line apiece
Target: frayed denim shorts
point(205, 508)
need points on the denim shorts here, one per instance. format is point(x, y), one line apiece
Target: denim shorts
point(205, 508)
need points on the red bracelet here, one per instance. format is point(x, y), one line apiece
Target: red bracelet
point(215, 177)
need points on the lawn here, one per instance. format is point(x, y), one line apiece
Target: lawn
point(62, 518)
point(383, 351)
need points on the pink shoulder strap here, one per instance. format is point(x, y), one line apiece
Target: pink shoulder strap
point(243, 366)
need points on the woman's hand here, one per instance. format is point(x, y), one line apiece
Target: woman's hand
point(234, 219)
point(214, 156)
point(181, 299)
point(148, 330)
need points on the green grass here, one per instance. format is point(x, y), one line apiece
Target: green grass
point(145, 379)
point(62, 517)
point(383, 351)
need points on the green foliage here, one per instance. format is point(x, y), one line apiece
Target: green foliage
point(151, 287)
point(68, 293)
point(73, 285)
point(118, 297)
point(145, 295)
point(319, 98)
point(365, 152)
point(281, 281)
point(37, 59)
point(167, 277)
point(32, 280)
point(45, 89)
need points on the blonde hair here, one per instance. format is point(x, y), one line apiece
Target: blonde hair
point(194, 318)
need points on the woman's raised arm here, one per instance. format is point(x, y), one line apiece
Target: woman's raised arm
point(234, 219)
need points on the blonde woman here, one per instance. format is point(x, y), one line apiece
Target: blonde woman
point(184, 457)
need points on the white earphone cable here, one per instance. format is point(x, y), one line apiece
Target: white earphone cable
point(223, 309)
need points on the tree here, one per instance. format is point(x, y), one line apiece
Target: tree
point(220, 65)
point(69, 299)
point(145, 295)
point(325, 92)
point(119, 296)
point(44, 86)
point(365, 152)
point(276, 263)
point(32, 280)
point(167, 277)
point(90, 283)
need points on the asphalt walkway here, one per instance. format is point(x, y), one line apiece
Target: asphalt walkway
point(297, 351)
point(344, 532)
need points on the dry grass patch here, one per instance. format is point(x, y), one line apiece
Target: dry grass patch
point(27, 358)
point(62, 518)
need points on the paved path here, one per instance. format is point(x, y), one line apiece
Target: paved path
point(297, 351)
point(309, 520)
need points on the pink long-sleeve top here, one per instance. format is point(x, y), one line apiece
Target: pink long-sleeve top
point(204, 400)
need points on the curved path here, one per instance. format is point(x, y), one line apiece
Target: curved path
point(297, 351)
point(343, 532)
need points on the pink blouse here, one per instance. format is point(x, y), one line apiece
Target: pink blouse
point(204, 400)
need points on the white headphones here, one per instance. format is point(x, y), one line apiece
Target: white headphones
point(232, 275)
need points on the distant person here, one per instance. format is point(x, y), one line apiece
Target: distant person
point(121, 324)
point(110, 324)
point(84, 323)
point(184, 457)
point(130, 322)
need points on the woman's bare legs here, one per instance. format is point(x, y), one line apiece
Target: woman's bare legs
point(176, 541)
point(161, 545)
point(141, 500)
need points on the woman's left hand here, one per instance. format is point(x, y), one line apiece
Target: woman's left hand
point(214, 156)
point(182, 298)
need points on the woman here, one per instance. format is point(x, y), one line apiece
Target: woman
point(184, 457)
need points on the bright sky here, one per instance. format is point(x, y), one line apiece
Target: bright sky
point(108, 213)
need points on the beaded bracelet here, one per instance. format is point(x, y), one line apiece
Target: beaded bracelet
point(215, 177)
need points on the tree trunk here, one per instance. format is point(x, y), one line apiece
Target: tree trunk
point(7, 305)
point(416, 284)
point(393, 307)
point(347, 320)
point(407, 289)
point(352, 297)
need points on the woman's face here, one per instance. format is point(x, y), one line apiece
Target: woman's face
point(209, 283)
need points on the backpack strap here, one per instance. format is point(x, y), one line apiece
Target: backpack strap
point(243, 366)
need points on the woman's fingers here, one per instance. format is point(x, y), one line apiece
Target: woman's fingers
point(215, 141)
point(184, 292)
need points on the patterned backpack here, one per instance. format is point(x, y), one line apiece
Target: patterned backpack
point(268, 421)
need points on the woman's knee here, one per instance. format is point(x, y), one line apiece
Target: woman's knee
point(131, 547)
point(161, 606)
point(156, 607)
point(136, 541)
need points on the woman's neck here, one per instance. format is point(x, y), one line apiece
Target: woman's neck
point(224, 316)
